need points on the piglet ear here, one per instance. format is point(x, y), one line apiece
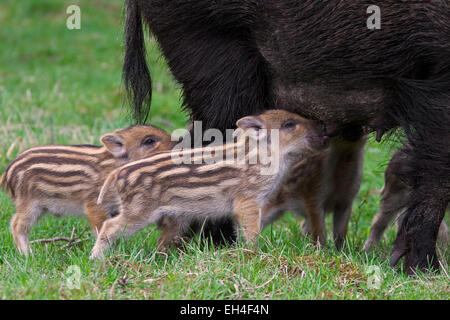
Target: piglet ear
point(253, 126)
point(114, 144)
point(250, 122)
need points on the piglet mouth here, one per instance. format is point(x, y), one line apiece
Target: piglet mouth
point(318, 142)
point(330, 130)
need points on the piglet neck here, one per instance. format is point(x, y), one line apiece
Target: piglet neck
point(107, 162)
point(274, 174)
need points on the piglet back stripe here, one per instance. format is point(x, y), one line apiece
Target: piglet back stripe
point(49, 160)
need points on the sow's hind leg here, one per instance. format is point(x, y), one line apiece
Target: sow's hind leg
point(427, 124)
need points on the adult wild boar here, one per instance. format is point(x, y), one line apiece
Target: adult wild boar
point(320, 60)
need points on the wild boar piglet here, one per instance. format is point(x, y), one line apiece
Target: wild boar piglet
point(67, 179)
point(234, 180)
point(326, 182)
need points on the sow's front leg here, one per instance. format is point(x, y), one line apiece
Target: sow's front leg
point(417, 235)
point(424, 114)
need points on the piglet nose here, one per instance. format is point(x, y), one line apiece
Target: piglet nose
point(318, 128)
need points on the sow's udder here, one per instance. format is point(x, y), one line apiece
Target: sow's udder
point(333, 104)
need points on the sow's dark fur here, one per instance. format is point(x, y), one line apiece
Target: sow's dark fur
point(316, 58)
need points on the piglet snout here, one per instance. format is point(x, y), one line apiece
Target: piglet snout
point(318, 141)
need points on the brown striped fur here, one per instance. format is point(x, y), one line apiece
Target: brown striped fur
point(325, 182)
point(67, 179)
point(157, 190)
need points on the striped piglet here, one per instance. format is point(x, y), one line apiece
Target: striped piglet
point(67, 179)
point(230, 180)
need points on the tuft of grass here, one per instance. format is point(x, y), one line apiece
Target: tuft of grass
point(64, 87)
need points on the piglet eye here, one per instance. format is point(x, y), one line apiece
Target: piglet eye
point(289, 124)
point(149, 140)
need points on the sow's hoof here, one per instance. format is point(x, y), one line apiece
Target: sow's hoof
point(422, 258)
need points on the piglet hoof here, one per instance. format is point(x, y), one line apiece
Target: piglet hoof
point(26, 252)
point(367, 246)
point(319, 243)
point(339, 243)
point(162, 249)
point(96, 255)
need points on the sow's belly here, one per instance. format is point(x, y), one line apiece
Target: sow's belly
point(336, 104)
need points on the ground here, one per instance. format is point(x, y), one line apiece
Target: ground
point(64, 86)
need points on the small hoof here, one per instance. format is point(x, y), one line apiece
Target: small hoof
point(96, 256)
point(367, 246)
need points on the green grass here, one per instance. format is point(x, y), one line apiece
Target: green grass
point(64, 86)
